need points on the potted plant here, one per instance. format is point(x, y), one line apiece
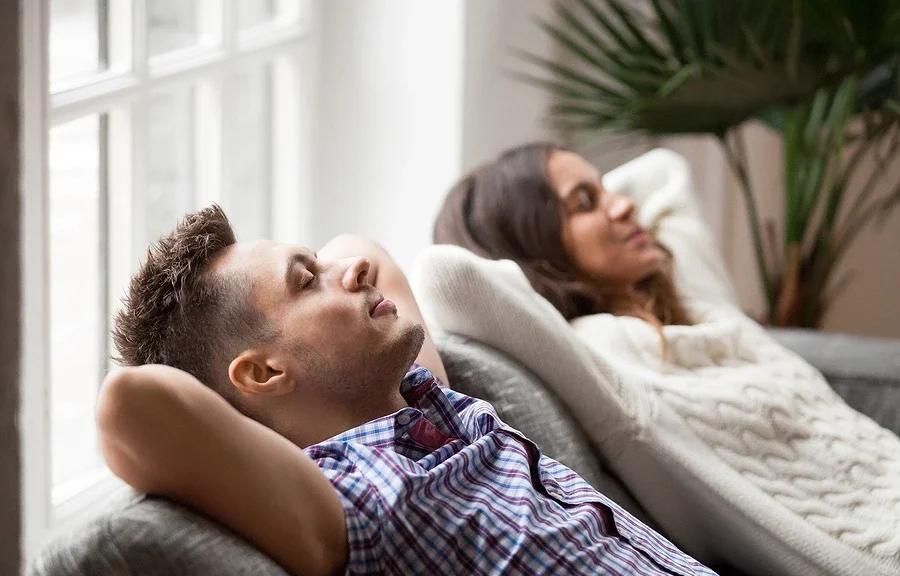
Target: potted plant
point(825, 74)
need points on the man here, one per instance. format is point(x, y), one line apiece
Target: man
point(301, 350)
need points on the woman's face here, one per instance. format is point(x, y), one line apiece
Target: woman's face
point(600, 234)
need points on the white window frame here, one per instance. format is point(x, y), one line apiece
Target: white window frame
point(291, 49)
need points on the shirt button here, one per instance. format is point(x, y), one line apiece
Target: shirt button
point(403, 419)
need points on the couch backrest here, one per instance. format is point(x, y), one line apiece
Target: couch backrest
point(152, 537)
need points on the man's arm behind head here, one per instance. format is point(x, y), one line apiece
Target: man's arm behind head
point(165, 433)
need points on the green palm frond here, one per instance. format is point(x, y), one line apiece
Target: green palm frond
point(728, 60)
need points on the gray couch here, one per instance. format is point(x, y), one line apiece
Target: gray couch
point(152, 537)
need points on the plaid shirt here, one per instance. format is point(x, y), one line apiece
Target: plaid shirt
point(445, 487)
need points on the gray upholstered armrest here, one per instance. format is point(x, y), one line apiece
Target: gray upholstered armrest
point(864, 371)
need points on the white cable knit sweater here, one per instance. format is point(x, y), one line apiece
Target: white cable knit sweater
point(735, 445)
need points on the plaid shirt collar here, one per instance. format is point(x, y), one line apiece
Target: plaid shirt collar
point(430, 421)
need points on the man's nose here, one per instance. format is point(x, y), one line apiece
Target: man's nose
point(620, 207)
point(356, 273)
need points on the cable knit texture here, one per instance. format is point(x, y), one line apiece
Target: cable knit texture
point(737, 447)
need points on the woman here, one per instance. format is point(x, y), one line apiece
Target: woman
point(579, 245)
point(630, 262)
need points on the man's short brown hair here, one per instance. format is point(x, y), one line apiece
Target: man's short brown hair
point(179, 313)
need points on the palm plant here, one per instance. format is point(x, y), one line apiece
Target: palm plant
point(823, 73)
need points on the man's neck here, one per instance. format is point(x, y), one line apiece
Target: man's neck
point(308, 429)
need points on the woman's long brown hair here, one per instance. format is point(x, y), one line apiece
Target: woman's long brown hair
point(508, 210)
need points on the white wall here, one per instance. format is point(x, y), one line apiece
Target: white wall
point(410, 95)
point(388, 135)
point(500, 111)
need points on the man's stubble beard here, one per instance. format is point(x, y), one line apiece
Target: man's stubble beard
point(376, 383)
point(411, 340)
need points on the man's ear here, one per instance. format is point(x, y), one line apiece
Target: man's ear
point(256, 372)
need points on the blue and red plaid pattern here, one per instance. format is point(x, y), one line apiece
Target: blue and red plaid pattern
point(445, 487)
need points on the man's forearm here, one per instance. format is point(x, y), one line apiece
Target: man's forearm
point(163, 432)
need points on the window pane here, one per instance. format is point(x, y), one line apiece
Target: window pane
point(172, 25)
point(75, 38)
point(247, 178)
point(170, 165)
point(77, 297)
point(251, 13)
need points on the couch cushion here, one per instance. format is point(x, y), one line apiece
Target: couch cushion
point(523, 402)
point(152, 537)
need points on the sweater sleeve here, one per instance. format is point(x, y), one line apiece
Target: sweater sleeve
point(660, 184)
